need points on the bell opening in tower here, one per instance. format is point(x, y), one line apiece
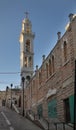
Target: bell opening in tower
point(28, 45)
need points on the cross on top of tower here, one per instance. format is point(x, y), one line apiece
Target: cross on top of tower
point(26, 13)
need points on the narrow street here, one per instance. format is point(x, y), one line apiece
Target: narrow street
point(10, 120)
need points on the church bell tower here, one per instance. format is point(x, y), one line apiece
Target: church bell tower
point(26, 49)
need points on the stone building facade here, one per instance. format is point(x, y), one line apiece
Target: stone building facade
point(50, 92)
point(13, 95)
point(2, 98)
point(8, 96)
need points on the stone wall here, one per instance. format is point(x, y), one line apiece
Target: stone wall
point(55, 78)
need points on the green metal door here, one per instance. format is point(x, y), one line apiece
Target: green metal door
point(71, 103)
point(52, 111)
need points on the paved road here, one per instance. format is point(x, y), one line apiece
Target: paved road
point(10, 120)
point(3, 123)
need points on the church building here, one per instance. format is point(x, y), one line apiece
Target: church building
point(49, 92)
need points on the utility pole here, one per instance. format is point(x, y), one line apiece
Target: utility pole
point(6, 94)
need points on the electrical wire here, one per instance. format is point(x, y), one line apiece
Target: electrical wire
point(9, 73)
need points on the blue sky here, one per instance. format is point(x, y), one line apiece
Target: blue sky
point(47, 17)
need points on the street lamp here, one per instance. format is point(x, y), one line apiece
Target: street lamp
point(23, 79)
point(6, 94)
point(11, 95)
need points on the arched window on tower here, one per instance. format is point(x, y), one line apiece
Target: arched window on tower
point(50, 67)
point(30, 61)
point(53, 64)
point(25, 62)
point(65, 51)
point(28, 45)
point(28, 78)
